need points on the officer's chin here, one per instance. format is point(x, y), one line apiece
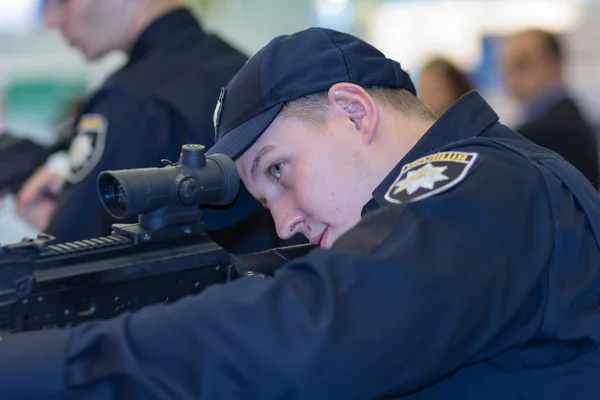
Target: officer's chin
point(91, 54)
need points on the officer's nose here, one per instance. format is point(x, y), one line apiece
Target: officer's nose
point(288, 218)
point(52, 14)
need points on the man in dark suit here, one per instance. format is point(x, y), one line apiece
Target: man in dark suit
point(533, 63)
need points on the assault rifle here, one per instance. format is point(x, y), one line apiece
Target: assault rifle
point(165, 256)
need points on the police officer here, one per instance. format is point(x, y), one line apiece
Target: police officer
point(458, 260)
point(162, 98)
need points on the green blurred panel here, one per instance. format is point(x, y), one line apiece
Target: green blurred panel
point(41, 100)
point(37, 107)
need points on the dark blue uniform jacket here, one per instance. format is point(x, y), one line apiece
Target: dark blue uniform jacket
point(487, 290)
point(164, 97)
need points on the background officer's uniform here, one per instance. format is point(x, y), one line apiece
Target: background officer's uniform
point(162, 98)
point(485, 287)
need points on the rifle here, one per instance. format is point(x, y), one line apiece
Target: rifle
point(165, 256)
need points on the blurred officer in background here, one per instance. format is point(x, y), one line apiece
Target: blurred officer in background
point(441, 83)
point(458, 260)
point(161, 99)
point(534, 67)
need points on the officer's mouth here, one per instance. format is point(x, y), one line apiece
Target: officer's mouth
point(321, 239)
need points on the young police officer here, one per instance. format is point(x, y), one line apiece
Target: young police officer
point(162, 98)
point(458, 260)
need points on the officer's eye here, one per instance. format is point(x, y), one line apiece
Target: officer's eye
point(276, 169)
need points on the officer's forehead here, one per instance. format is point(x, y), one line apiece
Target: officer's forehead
point(249, 162)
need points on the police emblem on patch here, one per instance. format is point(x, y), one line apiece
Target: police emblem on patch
point(430, 175)
point(87, 146)
point(217, 113)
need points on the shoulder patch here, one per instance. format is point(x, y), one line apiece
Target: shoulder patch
point(430, 175)
point(87, 146)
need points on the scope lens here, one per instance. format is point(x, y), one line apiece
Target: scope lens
point(114, 196)
point(120, 197)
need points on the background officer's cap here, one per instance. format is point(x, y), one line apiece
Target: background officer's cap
point(292, 66)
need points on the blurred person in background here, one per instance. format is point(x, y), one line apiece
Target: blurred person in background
point(534, 68)
point(441, 83)
point(162, 98)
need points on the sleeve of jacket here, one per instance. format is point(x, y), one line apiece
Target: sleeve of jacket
point(139, 131)
point(402, 300)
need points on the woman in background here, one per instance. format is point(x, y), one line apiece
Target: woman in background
point(441, 83)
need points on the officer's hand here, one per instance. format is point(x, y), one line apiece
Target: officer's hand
point(36, 201)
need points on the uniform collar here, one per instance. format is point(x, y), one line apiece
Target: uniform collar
point(468, 117)
point(161, 31)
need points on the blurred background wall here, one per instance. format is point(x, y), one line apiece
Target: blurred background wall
point(40, 76)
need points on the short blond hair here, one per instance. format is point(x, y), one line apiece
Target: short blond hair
point(313, 108)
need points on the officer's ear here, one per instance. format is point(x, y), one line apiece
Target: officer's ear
point(352, 101)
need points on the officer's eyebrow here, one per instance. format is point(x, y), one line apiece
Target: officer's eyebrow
point(257, 158)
